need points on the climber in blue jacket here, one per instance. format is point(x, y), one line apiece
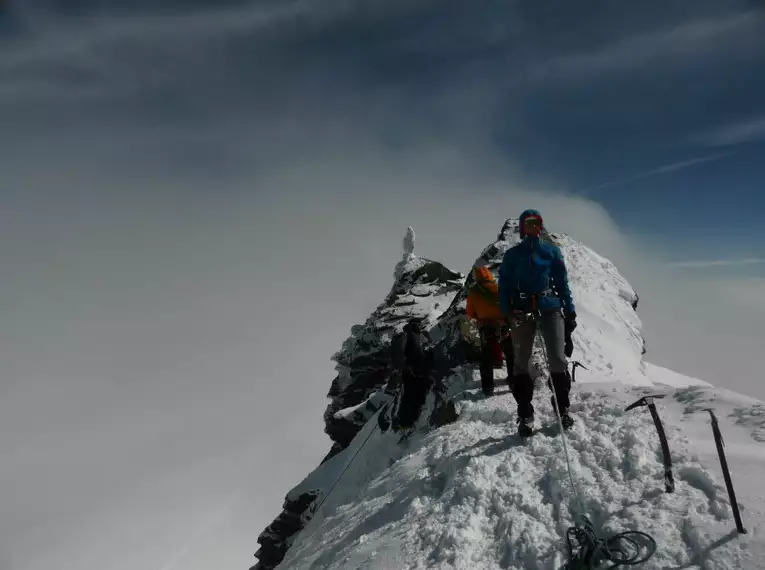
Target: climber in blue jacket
point(534, 291)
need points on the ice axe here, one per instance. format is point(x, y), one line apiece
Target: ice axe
point(573, 369)
point(669, 480)
point(726, 473)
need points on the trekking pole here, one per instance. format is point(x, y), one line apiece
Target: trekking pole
point(726, 473)
point(669, 479)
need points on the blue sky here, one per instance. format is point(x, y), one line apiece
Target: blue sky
point(589, 99)
point(199, 199)
point(588, 95)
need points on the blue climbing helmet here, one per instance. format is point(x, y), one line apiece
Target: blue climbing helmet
point(522, 220)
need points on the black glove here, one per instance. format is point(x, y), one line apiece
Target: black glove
point(569, 348)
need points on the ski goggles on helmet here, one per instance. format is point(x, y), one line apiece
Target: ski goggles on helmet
point(532, 221)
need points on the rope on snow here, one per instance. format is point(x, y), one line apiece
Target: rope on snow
point(623, 549)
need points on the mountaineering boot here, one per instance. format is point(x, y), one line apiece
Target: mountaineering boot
point(522, 387)
point(566, 419)
point(487, 382)
point(560, 384)
point(525, 426)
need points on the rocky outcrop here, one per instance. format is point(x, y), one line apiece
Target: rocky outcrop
point(422, 290)
point(273, 540)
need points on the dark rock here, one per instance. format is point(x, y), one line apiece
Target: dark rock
point(274, 540)
point(334, 450)
point(364, 363)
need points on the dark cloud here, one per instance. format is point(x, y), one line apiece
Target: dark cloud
point(78, 8)
point(583, 95)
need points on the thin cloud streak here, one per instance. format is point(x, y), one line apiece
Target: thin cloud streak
point(687, 41)
point(665, 169)
point(733, 134)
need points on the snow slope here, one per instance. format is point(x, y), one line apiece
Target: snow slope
point(472, 494)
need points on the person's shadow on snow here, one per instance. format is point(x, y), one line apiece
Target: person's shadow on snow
point(476, 396)
point(491, 446)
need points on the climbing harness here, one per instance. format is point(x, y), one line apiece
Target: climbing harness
point(545, 293)
point(591, 551)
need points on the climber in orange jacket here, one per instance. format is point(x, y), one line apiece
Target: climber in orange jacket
point(483, 306)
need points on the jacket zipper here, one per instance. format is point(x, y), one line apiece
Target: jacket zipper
point(531, 271)
point(531, 260)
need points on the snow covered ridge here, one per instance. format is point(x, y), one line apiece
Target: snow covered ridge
point(470, 494)
point(427, 290)
point(422, 290)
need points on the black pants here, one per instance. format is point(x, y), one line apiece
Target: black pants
point(415, 391)
point(490, 335)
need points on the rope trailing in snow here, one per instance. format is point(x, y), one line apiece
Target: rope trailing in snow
point(374, 428)
point(622, 549)
point(560, 424)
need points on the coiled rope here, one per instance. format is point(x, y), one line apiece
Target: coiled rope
point(623, 549)
point(591, 551)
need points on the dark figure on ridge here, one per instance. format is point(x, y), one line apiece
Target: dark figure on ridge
point(412, 363)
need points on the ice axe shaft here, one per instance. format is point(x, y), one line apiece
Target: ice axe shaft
point(669, 479)
point(726, 472)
